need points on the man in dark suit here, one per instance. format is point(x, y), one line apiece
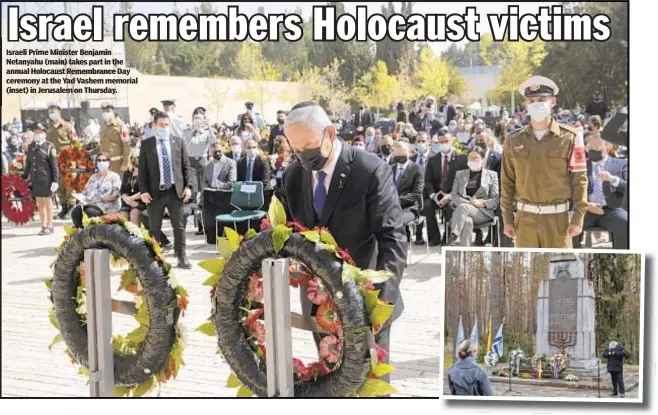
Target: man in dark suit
point(447, 110)
point(165, 182)
point(353, 194)
point(276, 130)
point(439, 178)
point(363, 119)
point(236, 152)
point(607, 183)
point(409, 182)
point(252, 168)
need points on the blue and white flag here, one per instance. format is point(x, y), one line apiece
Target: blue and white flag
point(497, 345)
point(460, 337)
point(475, 336)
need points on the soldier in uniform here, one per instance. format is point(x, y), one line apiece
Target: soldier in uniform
point(62, 135)
point(42, 172)
point(149, 129)
point(543, 168)
point(115, 140)
point(176, 122)
point(198, 140)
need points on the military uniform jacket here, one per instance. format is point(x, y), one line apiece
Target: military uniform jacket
point(41, 167)
point(62, 136)
point(115, 141)
point(539, 172)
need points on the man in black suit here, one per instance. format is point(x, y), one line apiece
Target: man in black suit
point(252, 168)
point(353, 194)
point(165, 182)
point(439, 178)
point(447, 110)
point(276, 130)
point(363, 119)
point(409, 182)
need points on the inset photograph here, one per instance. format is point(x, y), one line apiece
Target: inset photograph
point(543, 325)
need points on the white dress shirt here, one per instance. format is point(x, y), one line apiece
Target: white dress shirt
point(329, 167)
point(167, 144)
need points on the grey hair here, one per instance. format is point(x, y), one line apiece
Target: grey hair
point(313, 116)
point(403, 145)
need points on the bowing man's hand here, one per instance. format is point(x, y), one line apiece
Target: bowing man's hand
point(146, 198)
point(187, 194)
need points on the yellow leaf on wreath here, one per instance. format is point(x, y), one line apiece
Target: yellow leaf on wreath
point(207, 328)
point(58, 338)
point(233, 237)
point(280, 236)
point(250, 234)
point(328, 239)
point(349, 273)
point(121, 391)
point(213, 266)
point(381, 313)
point(233, 381)
point(376, 277)
point(313, 236)
point(69, 230)
point(225, 248)
point(371, 298)
point(211, 281)
point(383, 369)
point(375, 387)
point(51, 316)
point(49, 284)
point(276, 212)
point(244, 392)
point(143, 388)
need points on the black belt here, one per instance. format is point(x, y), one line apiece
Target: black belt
point(164, 189)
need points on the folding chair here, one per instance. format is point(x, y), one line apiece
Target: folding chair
point(492, 226)
point(247, 198)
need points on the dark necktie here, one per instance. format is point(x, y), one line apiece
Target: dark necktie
point(320, 194)
point(166, 164)
point(400, 174)
point(444, 173)
point(421, 160)
point(250, 166)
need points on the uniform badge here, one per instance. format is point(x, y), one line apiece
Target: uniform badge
point(518, 147)
point(535, 87)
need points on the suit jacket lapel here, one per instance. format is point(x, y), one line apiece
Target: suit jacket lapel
point(338, 180)
point(484, 183)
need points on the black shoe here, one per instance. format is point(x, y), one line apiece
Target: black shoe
point(453, 240)
point(434, 243)
point(622, 395)
point(64, 212)
point(199, 232)
point(183, 262)
point(613, 394)
point(166, 246)
point(479, 243)
point(419, 242)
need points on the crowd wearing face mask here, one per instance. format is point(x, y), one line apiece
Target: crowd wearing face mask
point(457, 155)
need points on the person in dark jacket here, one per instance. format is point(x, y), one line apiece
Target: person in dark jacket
point(466, 377)
point(402, 114)
point(615, 353)
point(42, 171)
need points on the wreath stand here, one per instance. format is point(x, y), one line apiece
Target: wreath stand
point(100, 306)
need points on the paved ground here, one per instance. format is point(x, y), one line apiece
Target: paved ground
point(502, 389)
point(29, 369)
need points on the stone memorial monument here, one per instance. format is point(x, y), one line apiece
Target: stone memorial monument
point(566, 311)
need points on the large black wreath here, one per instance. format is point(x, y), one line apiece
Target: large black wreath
point(350, 306)
point(153, 353)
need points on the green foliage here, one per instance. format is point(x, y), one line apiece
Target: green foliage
point(376, 87)
point(280, 235)
point(207, 328)
point(432, 75)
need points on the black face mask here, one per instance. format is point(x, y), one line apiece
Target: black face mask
point(400, 159)
point(217, 155)
point(481, 144)
point(386, 150)
point(361, 107)
point(280, 120)
point(313, 159)
point(595, 155)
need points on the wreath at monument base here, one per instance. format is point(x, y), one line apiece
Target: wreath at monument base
point(152, 353)
point(17, 202)
point(561, 360)
point(349, 311)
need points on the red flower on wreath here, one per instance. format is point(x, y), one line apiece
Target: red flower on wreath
point(317, 293)
point(298, 278)
point(258, 331)
point(265, 225)
point(330, 348)
point(345, 255)
point(315, 370)
point(255, 292)
point(18, 165)
point(17, 204)
point(296, 226)
point(327, 317)
point(381, 353)
point(182, 304)
point(299, 368)
point(254, 315)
